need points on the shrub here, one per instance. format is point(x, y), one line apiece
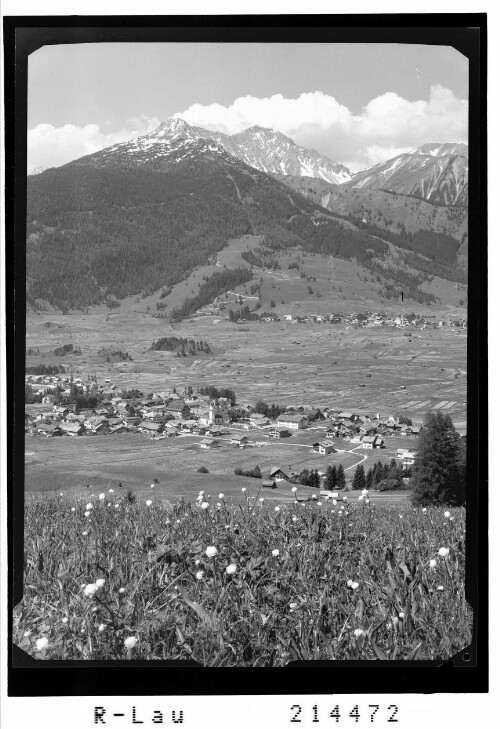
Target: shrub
point(203, 469)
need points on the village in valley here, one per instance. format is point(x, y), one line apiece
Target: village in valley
point(246, 362)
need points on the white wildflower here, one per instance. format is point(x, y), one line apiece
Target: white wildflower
point(211, 551)
point(42, 644)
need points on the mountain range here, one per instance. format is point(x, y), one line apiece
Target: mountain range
point(140, 215)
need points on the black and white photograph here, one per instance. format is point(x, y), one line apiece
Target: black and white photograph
point(246, 398)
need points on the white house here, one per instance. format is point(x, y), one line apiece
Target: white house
point(293, 422)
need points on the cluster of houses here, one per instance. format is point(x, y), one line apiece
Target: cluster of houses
point(167, 414)
point(364, 319)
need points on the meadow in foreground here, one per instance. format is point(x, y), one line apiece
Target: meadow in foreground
point(241, 585)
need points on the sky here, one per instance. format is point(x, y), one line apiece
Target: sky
point(358, 104)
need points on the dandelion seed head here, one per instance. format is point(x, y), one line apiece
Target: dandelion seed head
point(205, 505)
point(447, 514)
point(130, 642)
point(261, 500)
point(148, 502)
point(100, 582)
point(344, 498)
point(42, 644)
point(90, 589)
point(89, 506)
point(111, 491)
point(275, 552)
point(27, 633)
point(73, 508)
point(64, 620)
point(199, 575)
point(121, 590)
point(440, 588)
point(424, 510)
point(355, 585)
point(211, 551)
point(432, 563)
point(443, 552)
point(402, 615)
point(294, 489)
point(360, 498)
point(101, 628)
point(102, 497)
point(276, 508)
point(359, 633)
point(349, 583)
point(221, 496)
point(87, 513)
point(231, 569)
point(84, 534)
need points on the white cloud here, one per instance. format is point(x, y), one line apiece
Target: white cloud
point(385, 127)
point(309, 110)
point(50, 146)
point(318, 120)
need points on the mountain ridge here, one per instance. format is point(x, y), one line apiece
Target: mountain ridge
point(435, 172)
point(140, 215)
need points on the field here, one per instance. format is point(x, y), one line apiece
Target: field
point(317, 364)
point(72, 464)
point(117, 580)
